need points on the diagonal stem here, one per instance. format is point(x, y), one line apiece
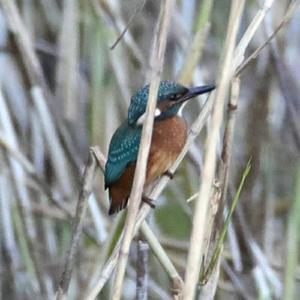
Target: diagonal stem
point(147, 233)
point(77, 227)
point(140, 172)
point(207, 176)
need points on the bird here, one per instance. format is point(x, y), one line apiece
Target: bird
point(168, 139)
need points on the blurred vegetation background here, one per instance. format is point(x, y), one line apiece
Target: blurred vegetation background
point(62, 89)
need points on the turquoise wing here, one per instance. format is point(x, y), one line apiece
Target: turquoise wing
point(123, 151)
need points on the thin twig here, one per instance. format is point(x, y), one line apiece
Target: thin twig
point(219, 246)
point(240, 50)
point(226, 158)
point(82, 203)
point(140, 172)
point(40, 182)
point(227, 143)
point(155, 291)
point(137, 11)
point(207, 176)
point(288, 16)
point(31, 171)
point(288, 86)
point(163, 258)
point(257, 255)
point(105, 7)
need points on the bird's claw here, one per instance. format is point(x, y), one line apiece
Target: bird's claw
point(169, 174)
point(149, 201)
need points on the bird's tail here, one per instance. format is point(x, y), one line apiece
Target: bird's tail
point(117, 205)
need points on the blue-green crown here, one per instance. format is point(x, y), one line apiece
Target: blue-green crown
point(138, 101)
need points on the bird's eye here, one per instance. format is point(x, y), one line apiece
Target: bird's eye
point(172, 97)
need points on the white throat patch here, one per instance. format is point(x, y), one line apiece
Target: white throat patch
point(141, 119)
point(181, 109)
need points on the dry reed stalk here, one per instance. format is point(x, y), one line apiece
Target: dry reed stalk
point(292, 255)
point(238, 62)
point(22, 198)
point(39, 182)
point(38, 82)
point(224, 179)
point(207, 176)
point(66, 87)
point(163, 258)
point(155, 291)
point(82, 203)
point(209, 290)
point(227, 143)
point(29, 168)
point(142, 269)
point(140, 172)
point(287, 84)
point(57, 153)
point(8, 233)
point(40, 92)
point(240, 50)
point(25, 44)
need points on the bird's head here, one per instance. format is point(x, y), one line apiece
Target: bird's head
point(171, 96)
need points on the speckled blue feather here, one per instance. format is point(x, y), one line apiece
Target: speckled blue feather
point(123, 151)
point(138, 101)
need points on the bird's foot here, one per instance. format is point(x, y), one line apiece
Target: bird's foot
point(169, 174)
point(149, 201)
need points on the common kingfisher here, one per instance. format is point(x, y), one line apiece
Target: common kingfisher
point(168, 138)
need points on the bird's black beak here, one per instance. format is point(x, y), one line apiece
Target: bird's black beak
point(196, 91)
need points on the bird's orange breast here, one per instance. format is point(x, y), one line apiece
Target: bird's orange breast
point(168, 139)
